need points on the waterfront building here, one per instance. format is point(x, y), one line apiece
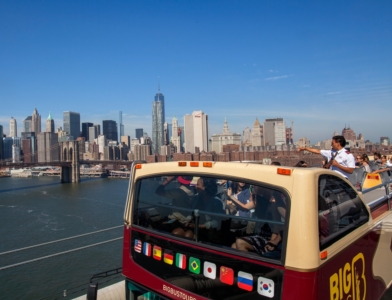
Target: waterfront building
point(71, 122)
point(15, 153)
point(109, 130)
point(36, 122)
point(274, 132)
point(13, 128)
point(176, 138)
point(257, 135)
point(85, 130)
point(48, 147)
point(126, 139)
point(101, 143)
point(139, 133)
point(158, 118)
point(29, 147)
point(196, 132)
point(50, 124)
point(1, 142)
point(141, 152)
point(225, 138)
point(8, 143)
point(27, 127)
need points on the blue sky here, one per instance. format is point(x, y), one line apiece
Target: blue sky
point(321, 64)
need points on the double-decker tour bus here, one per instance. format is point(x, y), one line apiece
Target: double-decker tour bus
point(214, 230)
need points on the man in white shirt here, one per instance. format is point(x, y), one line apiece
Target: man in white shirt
point(344, 161)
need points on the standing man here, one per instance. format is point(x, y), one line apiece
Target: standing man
point(344, 162)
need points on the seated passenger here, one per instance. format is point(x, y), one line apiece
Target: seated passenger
point(181, 196)
point(301, 164)
point(205, 201)
point(383, 165)
point(239, 192)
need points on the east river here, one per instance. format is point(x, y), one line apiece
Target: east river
point(39, 210)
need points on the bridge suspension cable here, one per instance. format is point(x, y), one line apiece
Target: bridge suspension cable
point(60, 240)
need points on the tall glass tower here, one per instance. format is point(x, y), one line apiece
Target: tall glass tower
point(71, 122)
point(158, 118)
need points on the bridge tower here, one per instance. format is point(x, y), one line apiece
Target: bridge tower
point(69, 152)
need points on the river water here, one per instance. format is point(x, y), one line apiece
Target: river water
point(41, 209)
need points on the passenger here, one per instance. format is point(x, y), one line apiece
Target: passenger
point(365, 163)
point(301, 164)
point(275, 163)
point(389, 162)
point(383, 166)
point(267, 247)
point(182, 195)
point(377, 158)
point(239, 191)
point(343, 161)
point(205, 201)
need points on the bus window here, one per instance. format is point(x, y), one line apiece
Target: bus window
point(235, 216)
point(340, 210)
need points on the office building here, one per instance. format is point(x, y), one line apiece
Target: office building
point(134, 142)
point(13, 128)
point(384, 140)
point(141, 152)
point(176, 138)
point(71, 124)
point(257, 135)
point(29, 147)
point(36, 122)
point(27, 124)
point(8, 143)
point(101, 143)
point(158, 118)
point(126, 140)
point(139, 133)
point(349, 134)
point(225, 138)
point(196, 132)
point(48, 147)
point(50, 124)
point(109, 130)
point(85, 130)
point(274, 132)
point(120, 130)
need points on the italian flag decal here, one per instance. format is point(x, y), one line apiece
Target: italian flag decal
point(180, 261)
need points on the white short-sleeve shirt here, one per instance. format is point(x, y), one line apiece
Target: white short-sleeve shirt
point(344, 158)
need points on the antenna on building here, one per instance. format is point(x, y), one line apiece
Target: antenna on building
point(159, 85)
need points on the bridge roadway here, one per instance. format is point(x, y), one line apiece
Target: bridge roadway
point(113, 164)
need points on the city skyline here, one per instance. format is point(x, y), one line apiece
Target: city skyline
point(321, 65)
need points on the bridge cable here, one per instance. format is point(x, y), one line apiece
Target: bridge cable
point(60, 240)
point(57, 254)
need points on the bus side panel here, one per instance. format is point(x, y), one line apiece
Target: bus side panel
point(300, 285)
point(349, 274)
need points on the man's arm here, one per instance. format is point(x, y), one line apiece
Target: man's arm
point(343, 168)
point(312, 150)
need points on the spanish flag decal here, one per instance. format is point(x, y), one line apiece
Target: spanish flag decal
point(157, 253)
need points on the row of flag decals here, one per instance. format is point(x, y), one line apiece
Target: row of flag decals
point(265, 286)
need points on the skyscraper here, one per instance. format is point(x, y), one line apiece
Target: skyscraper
point(120, 130)
point(196, 132)
point(71, 122)
point(109, 130)
point(36, 122)
point(85, 130)
point(175, 138)
point(48, 147)
point(257, 135)
point(158, 118)
point(225, 138)
point(27, 124)
point(274, 132)
point(50, 124)
point(139, 133)
point(13, 128)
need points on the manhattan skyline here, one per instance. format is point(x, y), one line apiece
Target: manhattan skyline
point(321, 65)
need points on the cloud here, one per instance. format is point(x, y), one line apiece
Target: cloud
point(276, 77)
point(332, 93)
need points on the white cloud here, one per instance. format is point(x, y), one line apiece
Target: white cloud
point(332, 93)
point(276, 77)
